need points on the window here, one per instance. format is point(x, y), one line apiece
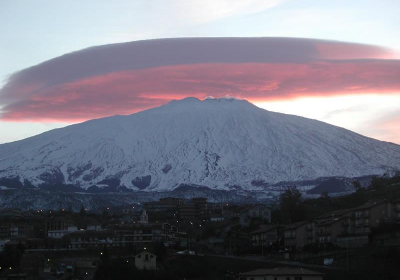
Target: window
point(146, 257)
point(287, 278)
point(298, 278)
point(139, 256)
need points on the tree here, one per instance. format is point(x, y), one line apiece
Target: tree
point(83, 211)
point(378, 182)
point(291, 206)
point(357, 185)
point(325, 195)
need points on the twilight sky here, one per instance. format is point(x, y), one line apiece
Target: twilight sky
point(346, 73)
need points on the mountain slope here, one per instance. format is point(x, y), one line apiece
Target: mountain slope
point(216, 143)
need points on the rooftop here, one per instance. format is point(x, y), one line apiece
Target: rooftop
point(280, 271)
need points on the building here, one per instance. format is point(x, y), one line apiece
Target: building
point(57, 224)
point(146, 261)
point(174, 200)
point(13, 213)
point(217, 206)
point(15, 231)
point(330, 216)
point(281, 273)
point(3, 243)
point(300, 234)
point(85, 269)
point(144, 218)
point(94, 227)
point(62, 232)
point(164, 204)
point(95, 239)
point(123, 235)
point(188, 212)
point(266, 235)
point(217, 218)
point(371, 214)
point(200, 202)
point(329, 230)
point(347, 228)
point(396, 210)
point(260, 214)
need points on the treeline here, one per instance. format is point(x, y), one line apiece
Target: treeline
point(293, 208)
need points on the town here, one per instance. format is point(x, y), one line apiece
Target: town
point(174, 238)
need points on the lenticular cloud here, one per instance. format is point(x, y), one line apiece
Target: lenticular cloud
point(129, 77)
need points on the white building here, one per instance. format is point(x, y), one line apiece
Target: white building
point(144, 218)
point(145, 261)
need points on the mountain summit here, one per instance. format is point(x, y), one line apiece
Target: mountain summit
point(217, 143)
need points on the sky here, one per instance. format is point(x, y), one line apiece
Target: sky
point(335, 61)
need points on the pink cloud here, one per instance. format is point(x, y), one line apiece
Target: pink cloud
point(126, 92)
point(130, 77)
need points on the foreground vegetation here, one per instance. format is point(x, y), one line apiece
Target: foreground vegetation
point(294, 209)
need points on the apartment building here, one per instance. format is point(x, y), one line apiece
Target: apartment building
point(370, 215)
point(266, 235)
point(300, 234)
point(396, 210)
point(328, 231)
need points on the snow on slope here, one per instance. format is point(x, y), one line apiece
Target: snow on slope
point(215, 143)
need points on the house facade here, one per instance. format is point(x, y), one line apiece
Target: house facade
point(146, 261)
point(300, 234)
point(266, 235)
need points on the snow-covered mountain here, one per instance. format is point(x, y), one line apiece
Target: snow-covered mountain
point(218, 143)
